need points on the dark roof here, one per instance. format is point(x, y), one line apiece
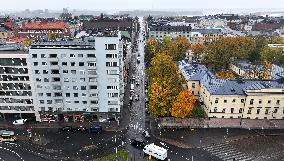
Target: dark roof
point(69, 44)
point(170, 28)
point(208, 31)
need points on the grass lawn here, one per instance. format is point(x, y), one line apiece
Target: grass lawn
point(122, 155)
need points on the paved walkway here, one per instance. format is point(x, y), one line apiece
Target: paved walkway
point(220, 123)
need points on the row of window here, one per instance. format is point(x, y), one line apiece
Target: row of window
point(72, 64)
point(68, 101)
point(58, 94)
point(251, 101)
point(241, 110)
point(63, 55)
point(90, 72)
point(67, 87)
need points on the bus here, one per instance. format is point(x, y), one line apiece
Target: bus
point(7, 136)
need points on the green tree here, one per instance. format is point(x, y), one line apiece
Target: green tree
point(151, 48)
point(272, 55)
point(198, 50)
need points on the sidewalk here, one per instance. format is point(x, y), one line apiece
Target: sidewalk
point(170, 122)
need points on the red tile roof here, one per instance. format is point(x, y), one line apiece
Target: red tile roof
point(59, 25)
point(9, 24)
point(18, 40)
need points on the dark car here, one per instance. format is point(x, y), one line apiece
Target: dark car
point(111, 119)
point(139, 143)
point(66, 128)
point(81, 129)
point(96, 128)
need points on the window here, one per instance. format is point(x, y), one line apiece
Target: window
point(81, 64)
point(44, 63)
point(93, 87)
point(72, 64)
point(34, 56)
point(251, 101)
point(46, 79)
point(259, 101)
point(114, 64)
point(41, 101)
point(46, 72)
point(225, 101)
point(84, 102)
point(241, 110)
point(215, 109)
point(232, 110)
point(80, 55)
point(72, 55)
point(53, 63)
point(49, 101)
point(76, 101)
point(73, 71)
point(108, 64)
point(82, 72)
point(257, 111)
point(83, 87)
point(224, 110)
point(266, 111)
point(82, 79)
point(193, 85)
point(67, 94)
point(242, 100)
point(91, 55)
point(64, 63)
point(48, 94)
point(216, 100)
point(234, 100)
point(42, 55)
point(35, 63)
point(37, 72)
point(91, 79)
point(108, 55)
point(40, 94)
point(63, 55)
point(75, 88)
point(66, 79)
point(278, 102)
point(52, 55)
point(91, 64)
point(92, 72)
point(75, 94)
point(94, 102)
point(84, 94)
point(65, 71)
point(249, 110)
point(110, 46)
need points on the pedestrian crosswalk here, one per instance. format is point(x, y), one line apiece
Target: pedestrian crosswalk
point(227, 152)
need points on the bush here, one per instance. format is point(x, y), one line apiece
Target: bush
point(198, 112)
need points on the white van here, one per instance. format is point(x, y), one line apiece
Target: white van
point(155, 151)
point(131, 87)
point(19, 122)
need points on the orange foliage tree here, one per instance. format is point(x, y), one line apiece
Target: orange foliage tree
point(183, 105)
point(225, 74)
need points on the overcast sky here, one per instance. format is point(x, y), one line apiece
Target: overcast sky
point(137, 4)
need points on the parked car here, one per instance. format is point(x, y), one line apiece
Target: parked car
point(137, 83)
point(7, 136)
point(19, 122)
point(66, 128)
point(139, 143)
point(146, 134)
point(136, 97)
point(81, 129)
point(111, 119)
point(96, 128)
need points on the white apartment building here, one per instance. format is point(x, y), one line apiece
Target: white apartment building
point(79, 76)
point(17, 97)
point(250, 99)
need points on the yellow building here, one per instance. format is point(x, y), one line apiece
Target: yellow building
point(248, 99)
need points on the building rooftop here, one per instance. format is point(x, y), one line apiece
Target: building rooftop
point(11, 48)
point(40, 25)
point(63, 44)
point(198, 72)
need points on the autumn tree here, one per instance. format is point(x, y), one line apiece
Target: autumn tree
point(198, 50)
point(161, 96)
point(27, 42)
point(272, 55)
point(179, 47)
point(151, 48)
point(220, 53)
point(183, 105)
point(225, 74)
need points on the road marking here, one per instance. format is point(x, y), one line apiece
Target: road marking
point(12, 152)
